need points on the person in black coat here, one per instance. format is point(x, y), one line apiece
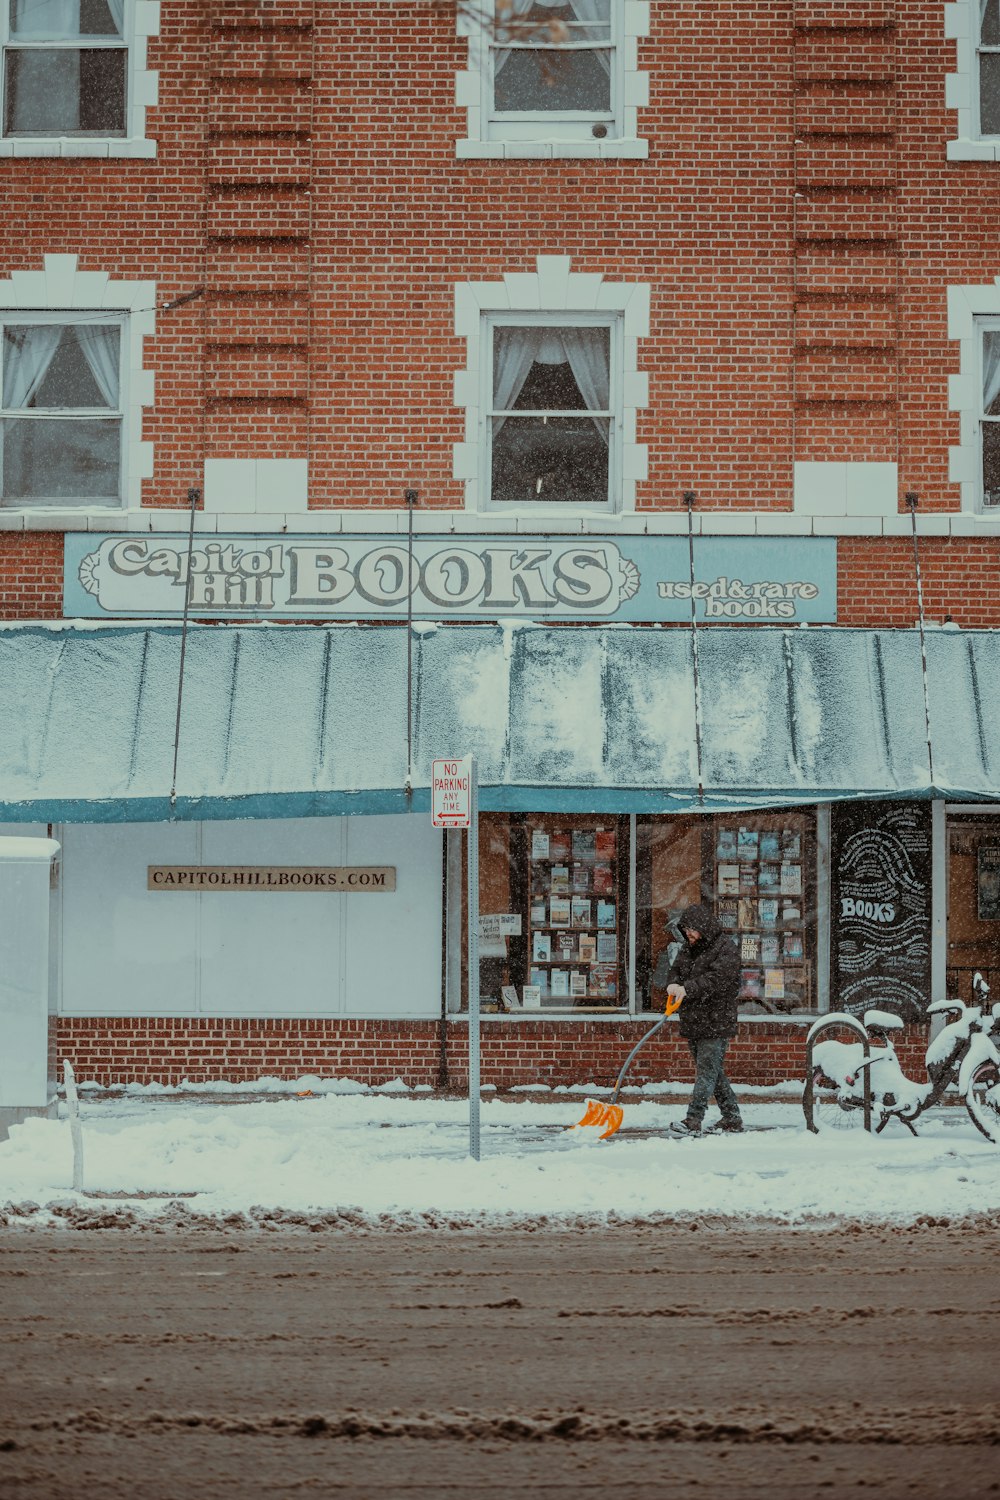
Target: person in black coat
point(705, 976)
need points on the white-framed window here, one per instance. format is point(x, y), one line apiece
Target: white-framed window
point(551, 392)
point(989, 425)
point(61, 410)
point(551, 433)
point(988, 56)
point(73, 79)
point(553, 78)
point(72, 388)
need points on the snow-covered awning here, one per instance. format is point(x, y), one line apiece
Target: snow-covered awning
point(291, 721)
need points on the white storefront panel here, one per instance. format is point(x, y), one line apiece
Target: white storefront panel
point(128, 950)
point(124, 951)
point(393, 947)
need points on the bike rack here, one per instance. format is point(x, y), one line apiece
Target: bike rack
point(827, 1023)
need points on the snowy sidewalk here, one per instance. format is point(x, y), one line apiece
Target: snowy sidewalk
point(398, 1157)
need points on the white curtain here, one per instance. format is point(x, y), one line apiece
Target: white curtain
point(991, 369)
point(29, 352)
point(593, 12)
point(45, 18)
point(101, 345)
point(117, 9)
point(586, 349)
point(514, 353)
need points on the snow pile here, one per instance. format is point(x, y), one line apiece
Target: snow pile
point(404, 1157)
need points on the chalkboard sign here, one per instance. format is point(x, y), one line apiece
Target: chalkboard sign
point(880, 948)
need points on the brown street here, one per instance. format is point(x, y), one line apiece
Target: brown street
point(633, 1362)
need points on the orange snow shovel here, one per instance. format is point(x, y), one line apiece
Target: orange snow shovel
point(609, 1116)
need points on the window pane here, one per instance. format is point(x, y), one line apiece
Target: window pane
point(72, 462)
point(989, 93)
point(77, 372)
point(991, 23)
point(551, 369)
point(533, 79)
point(62, 92)
point(62, 20)
point(585, 21)
point(991, 373)
point(991, 463)
point(563, 459)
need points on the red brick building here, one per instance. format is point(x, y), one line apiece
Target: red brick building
point(554, 272)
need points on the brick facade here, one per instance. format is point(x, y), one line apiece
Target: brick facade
point(797, 222)
point(549, 1052)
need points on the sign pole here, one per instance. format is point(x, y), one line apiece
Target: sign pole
point(473, 905)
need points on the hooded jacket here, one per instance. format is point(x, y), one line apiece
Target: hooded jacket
point(709, 970)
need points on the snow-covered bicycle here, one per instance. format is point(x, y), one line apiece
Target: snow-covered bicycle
point(850, 1083)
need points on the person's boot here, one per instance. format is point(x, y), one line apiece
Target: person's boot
point(682, 1129)
point(734, 1126)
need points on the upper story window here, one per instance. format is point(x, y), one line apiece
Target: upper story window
point(554, 61)
point(65, 68)
point(551, 431)
point(73, 389)
point(989, 67)
point(61, 404)
point(74, 77)
point(551, 391)
point(973, 90)
point(990, 412)
point(554, 77)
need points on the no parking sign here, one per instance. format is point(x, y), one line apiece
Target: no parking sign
point(451, 801)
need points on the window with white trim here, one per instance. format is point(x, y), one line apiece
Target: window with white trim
point(551, 430)
point(988, 60)
point(989, 433)
point(73, 388)
point(556, 73)
point(74, 71)
point(61, 411)
point(551, 391)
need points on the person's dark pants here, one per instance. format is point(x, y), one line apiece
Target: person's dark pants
point(709, 1055)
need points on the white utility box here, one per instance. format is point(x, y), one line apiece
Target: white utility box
point(27, 990)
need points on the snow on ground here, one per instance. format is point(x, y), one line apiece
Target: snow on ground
point(372, 1155)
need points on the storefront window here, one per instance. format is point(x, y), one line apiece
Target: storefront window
point(758, 875)
point(973, 903)
point(553, 896)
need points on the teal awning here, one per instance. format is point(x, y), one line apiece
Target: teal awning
point(292, 721)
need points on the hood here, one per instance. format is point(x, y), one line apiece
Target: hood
point(702, 919)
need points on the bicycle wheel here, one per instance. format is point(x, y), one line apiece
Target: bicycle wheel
point(982, 1100)
point(831, 1108)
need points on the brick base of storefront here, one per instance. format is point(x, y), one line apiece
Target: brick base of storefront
point(171, 1050)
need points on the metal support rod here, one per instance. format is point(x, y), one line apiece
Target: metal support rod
point(473, 906)
point(194, 495)
point(912, 502)
point(412, 498)
point(689, 502)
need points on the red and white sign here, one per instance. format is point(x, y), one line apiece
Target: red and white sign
point(450, 799)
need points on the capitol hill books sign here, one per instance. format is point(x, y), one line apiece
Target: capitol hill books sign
point(738, 580)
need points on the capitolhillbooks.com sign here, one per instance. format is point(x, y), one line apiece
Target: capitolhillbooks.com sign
point(737, 580)
point(245, 878)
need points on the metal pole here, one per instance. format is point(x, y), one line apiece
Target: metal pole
point(473, 906)
point(689, 502)
point(912, 503)
point(194, 495)
point(412, 498)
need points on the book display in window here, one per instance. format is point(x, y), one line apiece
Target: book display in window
point(575, 905)
point(758, 888)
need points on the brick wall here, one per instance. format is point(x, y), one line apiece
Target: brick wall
point(167, 1051)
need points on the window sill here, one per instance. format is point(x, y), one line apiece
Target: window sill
point(467, 150)
point(970, 150)
point(74, 146)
